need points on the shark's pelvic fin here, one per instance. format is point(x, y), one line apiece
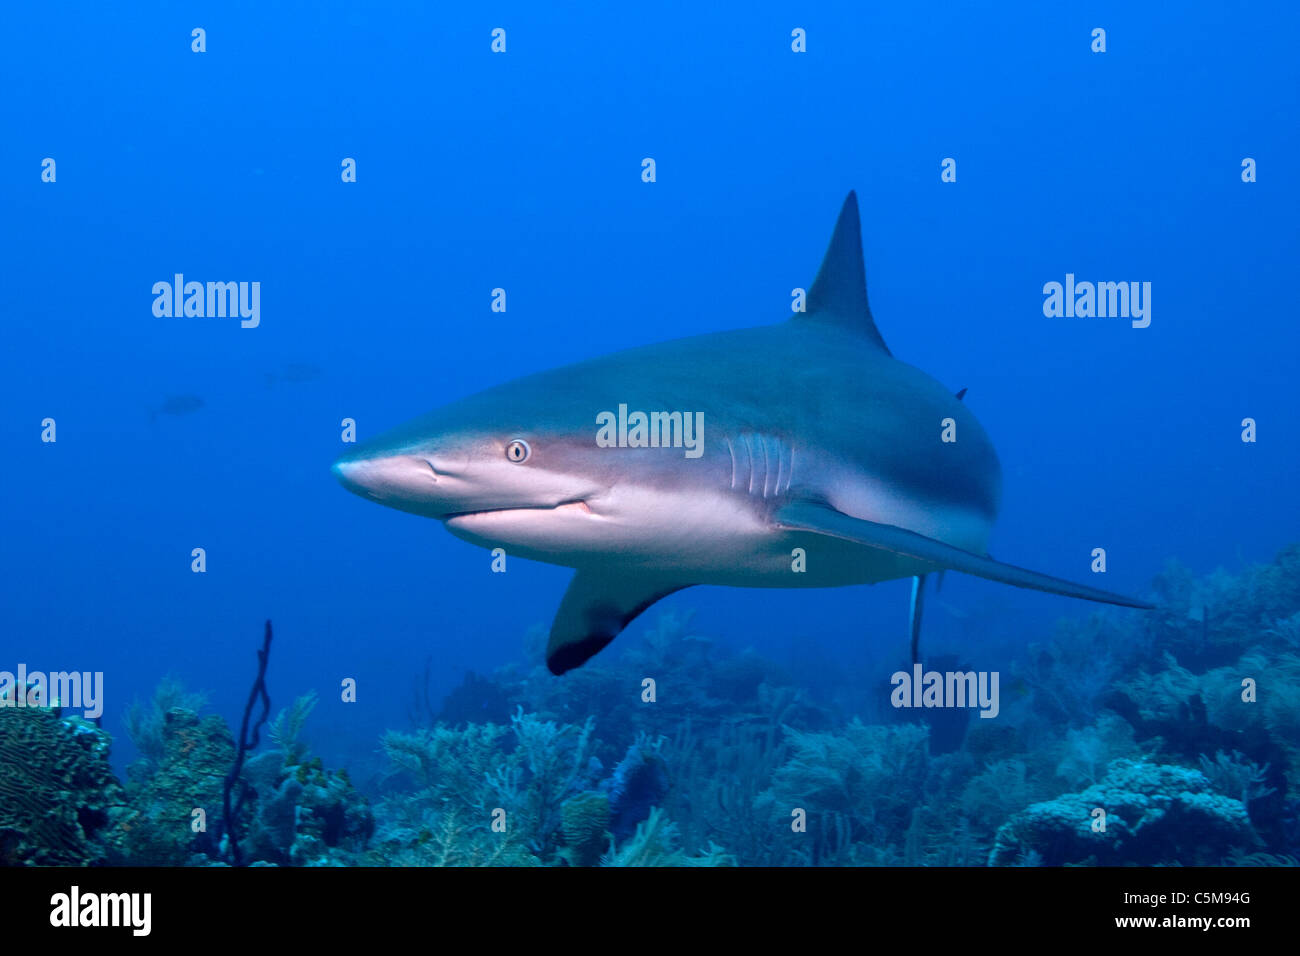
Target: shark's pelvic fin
point(596, 608)
point(839, 293)
point(918, 601)
point(821, 519)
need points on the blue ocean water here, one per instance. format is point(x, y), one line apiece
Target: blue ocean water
point(522, 171)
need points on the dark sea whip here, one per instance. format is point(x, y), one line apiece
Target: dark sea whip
point(245, 745)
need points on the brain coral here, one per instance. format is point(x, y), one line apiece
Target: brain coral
point(56, 788)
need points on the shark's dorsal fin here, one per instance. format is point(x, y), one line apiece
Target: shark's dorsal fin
point(839, 293)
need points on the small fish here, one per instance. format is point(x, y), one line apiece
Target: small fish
point(961, 614)
point(177, 405)
point(1018, 687)
point(294, 374)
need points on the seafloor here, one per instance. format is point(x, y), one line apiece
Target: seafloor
point(1181, 724)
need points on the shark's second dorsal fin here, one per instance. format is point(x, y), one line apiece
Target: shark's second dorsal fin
point(839, 293)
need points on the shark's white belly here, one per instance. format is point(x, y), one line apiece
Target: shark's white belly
point(699, 536)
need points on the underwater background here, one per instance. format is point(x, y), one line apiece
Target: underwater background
point(523, 170)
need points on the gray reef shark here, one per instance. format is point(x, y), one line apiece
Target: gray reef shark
point(800, 454)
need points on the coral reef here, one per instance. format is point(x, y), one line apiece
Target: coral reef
point(1002, 789)
point(1088, 751)
point(1234, 776)
point(57, 793)
point(296, 812)
point(638, 784)
point(478, 700)
point(144, 722)
point(285, 730)
point(304, 815)
point(1132, 713)
point(1182, 725)
point(1154, 814)
point(585, 826)
point(157, 827)
point(655, 843)
point(869, 775)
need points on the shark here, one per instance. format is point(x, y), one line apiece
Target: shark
point(820, 460)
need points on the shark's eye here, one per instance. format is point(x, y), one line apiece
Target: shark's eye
point(518, 450)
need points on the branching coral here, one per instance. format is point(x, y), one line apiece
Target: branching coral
point(450, 766)
point(550, 763)
point(144, 722)
point(718, 791)
point(1000, 790)
point(1072, 672)
point(655, 843)
point(1089, 750)
point(452, 841)
point(1286, 631)
point(1162, 694)
point(471, 773)
point(1209, 621)
point(1235, 776)
point(871, 775)
point(285, 730)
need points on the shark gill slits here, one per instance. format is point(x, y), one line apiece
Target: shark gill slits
point(518, 450)
point(768, 469)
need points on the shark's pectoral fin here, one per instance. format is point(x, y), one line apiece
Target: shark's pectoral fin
point(596, 608)
point(821, 519)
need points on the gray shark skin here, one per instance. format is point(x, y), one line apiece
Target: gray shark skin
point(814, 437)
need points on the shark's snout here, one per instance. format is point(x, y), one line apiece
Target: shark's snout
point(406, 482)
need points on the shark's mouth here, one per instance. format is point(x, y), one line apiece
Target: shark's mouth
point(579, 505)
